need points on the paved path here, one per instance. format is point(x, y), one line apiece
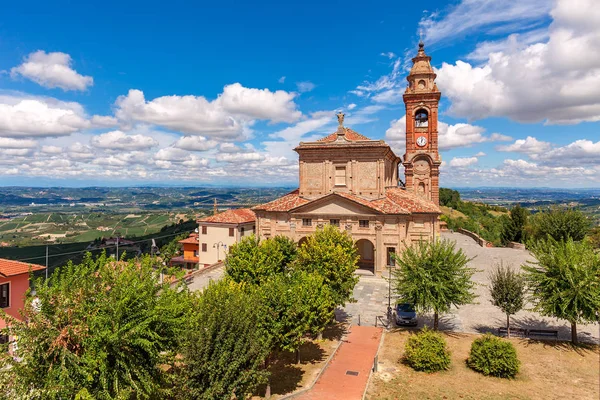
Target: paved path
point(356, 354)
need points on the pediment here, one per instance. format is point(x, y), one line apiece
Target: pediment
point(334, 205)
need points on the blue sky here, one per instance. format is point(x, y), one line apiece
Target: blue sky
point(121, 93)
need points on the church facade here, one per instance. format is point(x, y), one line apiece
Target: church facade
point(351, 181)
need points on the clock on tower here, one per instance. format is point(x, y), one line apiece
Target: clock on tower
point(422, 159)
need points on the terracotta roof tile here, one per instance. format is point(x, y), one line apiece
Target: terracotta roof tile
point(411, 201)
point(235, 216)
point(193, 238)
point(285, 203)
point(348, 133)
point(12, 268)
point(397, 201)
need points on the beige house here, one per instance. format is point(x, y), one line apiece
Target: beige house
point(351, 181)
point(218, 232)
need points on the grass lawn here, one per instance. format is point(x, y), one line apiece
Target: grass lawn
point(548, 371)
point(450, 212)
point(288, 377)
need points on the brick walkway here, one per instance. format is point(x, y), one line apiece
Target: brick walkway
point(356, 354)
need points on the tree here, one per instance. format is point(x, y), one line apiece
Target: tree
point(100, 329)
point(287, 247)
point(253, 262)
point(513, 228)
point(332, 254)
point(560, 224)
point(434, 276)
point(225, 346)
point(172, 249)
point(507, 288)
point(297, 304)
point(449, 198)
point(565, 281)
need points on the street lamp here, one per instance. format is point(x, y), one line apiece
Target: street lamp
point(217, 245)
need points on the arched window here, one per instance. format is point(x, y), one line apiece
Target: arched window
point(421, 119)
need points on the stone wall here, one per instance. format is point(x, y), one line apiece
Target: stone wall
point(480, 241)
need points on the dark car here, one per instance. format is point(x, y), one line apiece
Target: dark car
point(406, 315)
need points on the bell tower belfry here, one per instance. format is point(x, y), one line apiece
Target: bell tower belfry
point(422, 159)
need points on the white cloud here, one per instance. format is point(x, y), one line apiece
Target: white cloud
point(195, 143)
point(281, 80)
point(11, 143)
point(229, 148)
point(462, 162)
point(363, 115)
point(226, 117)
point(351, 106)
point(557, 81)
point(390, 96)
point(389, 55)
point(117, 140)
point(305, 86)
point(80, 151)
point(530, 145)
point(511, 44)
point(239, 157)
point(171, 154)
point(480, 154)
point(483, 16)
point(51, 150)
point(25, 116)
point(261, 104)
point(102, 121)
point(15, 152)
point(52, 70)
point(449, 136)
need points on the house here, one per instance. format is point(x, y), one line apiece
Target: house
point(353, 182)
point(218, 232)
point(14, 282)
point(190, 258)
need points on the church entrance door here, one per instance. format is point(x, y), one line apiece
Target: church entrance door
point(366, 250)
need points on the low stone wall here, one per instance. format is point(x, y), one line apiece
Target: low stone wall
point(515, 245)
point(480, 241)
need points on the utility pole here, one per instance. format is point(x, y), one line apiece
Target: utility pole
point(215, 209)
point(117, 258)
point(46, 261)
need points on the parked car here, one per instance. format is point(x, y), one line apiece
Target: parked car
point(406, 315)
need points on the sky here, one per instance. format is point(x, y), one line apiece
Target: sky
point(220, 93)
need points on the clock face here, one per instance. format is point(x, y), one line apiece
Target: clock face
point(421, 141)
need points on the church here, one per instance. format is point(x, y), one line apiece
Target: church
point(353, 182)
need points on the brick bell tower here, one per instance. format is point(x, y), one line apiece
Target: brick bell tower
point(422, 159)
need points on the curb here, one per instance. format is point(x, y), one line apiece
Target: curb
point(302, 391)
point(383, 332)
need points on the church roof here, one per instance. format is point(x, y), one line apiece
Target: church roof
point(349, 134)
point(396, 201)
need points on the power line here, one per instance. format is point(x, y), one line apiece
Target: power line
point(103, 248)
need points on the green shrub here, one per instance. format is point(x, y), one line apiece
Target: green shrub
point(493, 356)
point(427, 351)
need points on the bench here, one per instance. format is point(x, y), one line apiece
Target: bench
point(543, 333)
point(513, 332)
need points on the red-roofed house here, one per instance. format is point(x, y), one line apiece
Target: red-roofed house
point(218, 232)
point(351, 181)
point(14, 282)
point(190, 258)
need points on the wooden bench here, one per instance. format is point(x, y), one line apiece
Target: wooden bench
point(513, 332)
point(543, 333)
